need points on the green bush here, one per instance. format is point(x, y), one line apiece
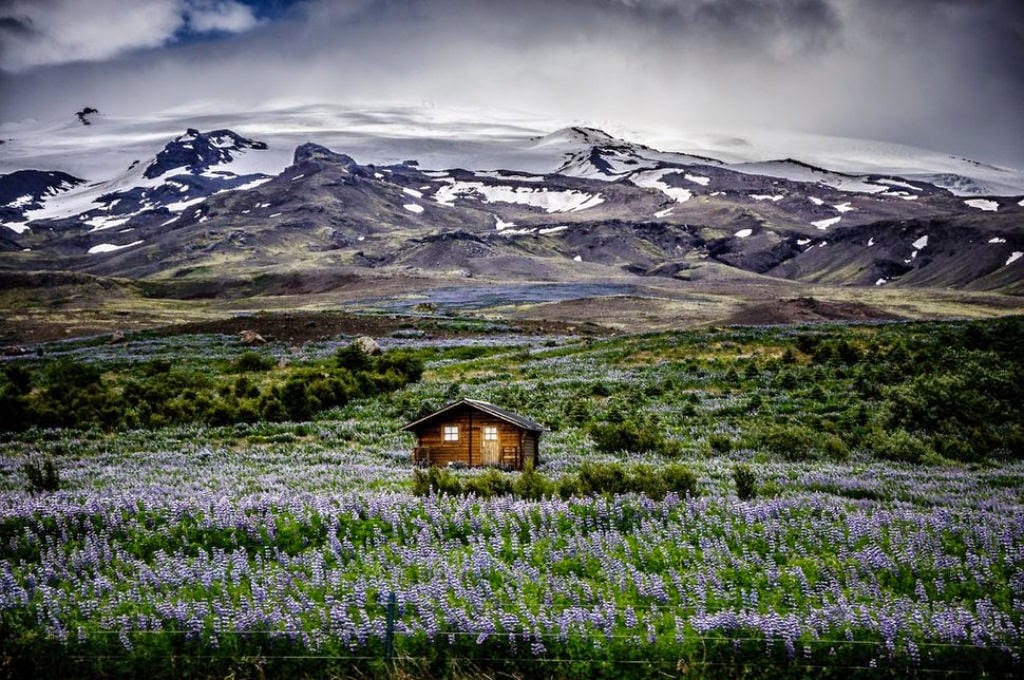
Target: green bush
point(791, 442)
point(629, 436)
point(720, 442)
point(680, 479)
point(643, 479)
point(569, 486)
point(253, 362)
point(599, 478)
point(353, 358)
point(612, 478)
point(899, 445)
point(41, 478)
point(66, 393)
point(746, 481)
point(488, 484)
point(532, 485)
point(434, 480)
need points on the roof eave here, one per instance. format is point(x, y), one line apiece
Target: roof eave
point(480, 406)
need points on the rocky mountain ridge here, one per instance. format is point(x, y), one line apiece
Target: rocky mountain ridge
point(195, 210)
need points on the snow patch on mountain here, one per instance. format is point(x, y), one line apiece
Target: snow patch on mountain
point(550, 200)
point(983, 204)
point(653, 179)
point(825, 224)
point(102, 222)
point(500, 224)
point(110, 247)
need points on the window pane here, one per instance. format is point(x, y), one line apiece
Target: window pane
point(451, 433)
point(490, 434)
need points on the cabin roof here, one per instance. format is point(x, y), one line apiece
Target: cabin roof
point(485, 407)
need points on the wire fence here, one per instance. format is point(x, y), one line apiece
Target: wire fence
point(486, 661)
point(696, 660)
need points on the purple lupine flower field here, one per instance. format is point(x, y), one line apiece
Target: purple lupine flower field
point(258, 546)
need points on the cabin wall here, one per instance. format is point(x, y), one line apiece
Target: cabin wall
point(530, 449)
point(469, 448)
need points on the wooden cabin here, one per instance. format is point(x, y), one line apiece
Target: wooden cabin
point(475, 433)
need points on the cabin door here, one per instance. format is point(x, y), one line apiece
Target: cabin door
point(490, 452)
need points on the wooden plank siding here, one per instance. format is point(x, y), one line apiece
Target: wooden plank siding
point(469, 449)
point(515, 440)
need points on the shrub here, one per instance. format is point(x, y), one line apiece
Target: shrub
point(720, 442)
point(900, 445)
point(253, 362)
point(532, 485)
point(643, 479)
point(617, 437)
point(488, 484)
point(680, 479)
point(41, 478)
point(746, 481)
point(598, 478)
point(569, 486)
point(353, 358)
point(437, 481)
point(834, 448)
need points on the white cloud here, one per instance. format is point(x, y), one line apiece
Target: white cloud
point(44, 32)
point(220, 15)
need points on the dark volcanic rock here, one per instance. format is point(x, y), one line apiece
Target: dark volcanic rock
point(25, 189)
point(198, 151)
point(808, 310)
point(315, 153)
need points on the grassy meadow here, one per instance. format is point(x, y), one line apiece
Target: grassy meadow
point(826, 501)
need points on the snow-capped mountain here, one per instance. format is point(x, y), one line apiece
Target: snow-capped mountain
point(471, 139)
point(188, 169)
point(413, 194)
point(25, 191)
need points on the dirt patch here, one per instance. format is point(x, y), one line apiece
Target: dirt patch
point(299, 327)
point(808, 310)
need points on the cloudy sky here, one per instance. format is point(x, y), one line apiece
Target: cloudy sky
point(943, 74)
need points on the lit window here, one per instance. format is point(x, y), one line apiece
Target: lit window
point(490, 433)
point(451, 433)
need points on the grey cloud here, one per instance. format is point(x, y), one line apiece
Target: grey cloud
point(16, 26)
point(42, 32)
point(945, 74)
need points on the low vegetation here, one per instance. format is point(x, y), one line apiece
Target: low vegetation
point(593, 479)
point(738, 502)
point(255, 387)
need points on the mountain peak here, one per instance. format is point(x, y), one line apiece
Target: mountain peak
point(577, 136)
point(310, 152)
point(198, 151)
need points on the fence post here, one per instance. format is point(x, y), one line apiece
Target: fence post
point(389, 633)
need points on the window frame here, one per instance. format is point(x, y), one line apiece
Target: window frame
point(449, 434)
point(490, 430)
